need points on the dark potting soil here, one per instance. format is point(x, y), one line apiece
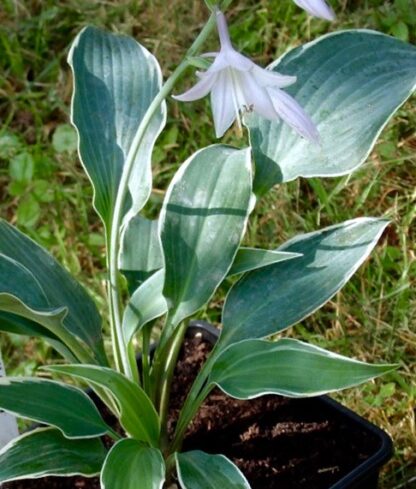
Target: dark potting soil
point(278, 443)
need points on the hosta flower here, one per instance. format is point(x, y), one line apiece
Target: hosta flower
point(238, 85)
point(318, 8)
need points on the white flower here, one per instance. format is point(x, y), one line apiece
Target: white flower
point(237, 84)
point(318, 8)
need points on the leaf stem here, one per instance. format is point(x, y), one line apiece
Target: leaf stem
point(114, 435)
point(199, 390)
point(169, 360)
point(132, 359)
point(191, 411)
point(146, 337)
point(113, 329)
point(114, 242)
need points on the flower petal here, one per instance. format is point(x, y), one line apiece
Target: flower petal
point(318, 8)
point(223, 33)
point(293, 114)
point(220, 62)
point(200, 89)
point(269, 78)
point(223, 103)
point(237, 60)
point(230, 58)
point(256, 97)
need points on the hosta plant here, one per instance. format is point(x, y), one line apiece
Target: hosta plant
point(315, 112)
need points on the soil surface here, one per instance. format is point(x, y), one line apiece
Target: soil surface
point(278, 443)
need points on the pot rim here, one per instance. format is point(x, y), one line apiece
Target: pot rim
point(369, 467)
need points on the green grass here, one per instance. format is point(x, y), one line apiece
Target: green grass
point(45, 192)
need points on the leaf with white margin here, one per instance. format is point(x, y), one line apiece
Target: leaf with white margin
point(17, 284)
point(137, 413)
point(146, 304)
point(115, 81)
point(350, 83)
point(25, 320)
point(46, 452)
point(141, 251)
point(42, 285)
point(34, 316)
point(272, 298)
point(15, 324)
point(249, 259)
point(288, 367)
point(60, 405)
point(16, 280)
point(202, 222)
point(200, 470)
point(132, 465)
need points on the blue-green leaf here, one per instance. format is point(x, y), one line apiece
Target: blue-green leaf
point(199, 470)
point(137, 413)
point(13, 323)
point(146, 304)
point(34, 285)
point(350, 83)
point(141, 254)
point(131, 465)
point(24, 306)
point(202, 222)
point(115, 81)
point(253, 368)
point(277, 296)
point(45, 451)
point(52, 403)
point(249, 259)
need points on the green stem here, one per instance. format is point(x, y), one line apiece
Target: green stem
point(169, 364)
point(114, 341)
point(133, 361)
point(170, 468)
point(199, 390)
point(146, 337)
point(114, 435)
point(123, 189)
point(160, 355)
point(191, 411)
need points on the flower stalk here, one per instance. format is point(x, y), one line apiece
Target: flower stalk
point(123, 362)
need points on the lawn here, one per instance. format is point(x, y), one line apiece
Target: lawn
point(45, 192)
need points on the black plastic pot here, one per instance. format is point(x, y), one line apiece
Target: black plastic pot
point(366, 474)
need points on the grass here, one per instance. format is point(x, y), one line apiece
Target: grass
point(45, 192)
